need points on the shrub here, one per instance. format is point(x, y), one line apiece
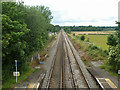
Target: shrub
point(113, 59)
point(74, 39)
point(82, 37)
point(98, 58)
point(73, 34)
point(93, 47)
point(77, 36)
point(112, 40)
point(87, 40)
point(106, 51)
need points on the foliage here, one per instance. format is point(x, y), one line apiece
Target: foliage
point(24, 31)
point(94, 52)
point(113, 59)
point(67, 29)
point(12, 44)
point(114, 51)
point(73, 34)
point(56, 28)
point(98, 40)
point(111, 40)
point(10, 83)
point(87, 40)
point(88, 28)
point(82, 38)
point(108, 69)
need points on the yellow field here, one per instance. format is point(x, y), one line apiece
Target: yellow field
point(93, 32)
point(98, 40)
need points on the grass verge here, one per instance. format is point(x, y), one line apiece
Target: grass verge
point(99, 40)
point(107, 69)
point(92, 52)
point(12, 81)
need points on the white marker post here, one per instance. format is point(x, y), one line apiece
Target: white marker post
point(16, 69)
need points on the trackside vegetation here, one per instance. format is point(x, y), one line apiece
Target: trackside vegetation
point(24, 31)
point(114, 51)
point(90, 50)
point(99, 40)
point(109, 52)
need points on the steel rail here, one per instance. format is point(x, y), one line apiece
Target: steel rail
point(77, 62)
point(53, 63)
point(73, 81)
point(62, 80)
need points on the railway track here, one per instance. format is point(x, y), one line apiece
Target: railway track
point(50, 73)
point(70, 83)
point(65, 71)
point(68, 71)
point(78, 77)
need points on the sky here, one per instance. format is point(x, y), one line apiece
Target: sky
point(81, 12)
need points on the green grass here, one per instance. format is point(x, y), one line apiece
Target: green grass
point(12, 81)
point(98, 40)
point(107, 69)
point(96, 54)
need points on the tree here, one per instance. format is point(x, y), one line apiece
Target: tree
point(57, 28)
point(114, 51)
point(112, 40)
point(113, 59)
point(24, 31)
point(82, 38)
point(12, 44)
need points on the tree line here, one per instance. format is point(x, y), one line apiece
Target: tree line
point(24, 31)
point(88, 28)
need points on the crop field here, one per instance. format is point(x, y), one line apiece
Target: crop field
point(98, 40)
point(93, 32)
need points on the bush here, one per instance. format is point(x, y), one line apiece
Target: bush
point(74, 39)
point(73, 34)
point(82, 37)
point(106, 51)
point(77, 37)
point(98, 58)
point(113, 59)
point(93, 47)
point(88, 40)
point(112, 40)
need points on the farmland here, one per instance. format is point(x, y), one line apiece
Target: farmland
point(99, 38)
point(93, 32)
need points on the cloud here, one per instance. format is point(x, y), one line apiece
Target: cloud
point(81, 12)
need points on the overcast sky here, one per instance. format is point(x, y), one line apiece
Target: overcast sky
point(81, 12)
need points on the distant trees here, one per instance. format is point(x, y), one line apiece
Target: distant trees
point(67, 29)
point(57, 28)
point(88, 28)
point(24, 31)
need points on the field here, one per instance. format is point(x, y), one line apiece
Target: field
point(93, 32)
point(99, 40)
